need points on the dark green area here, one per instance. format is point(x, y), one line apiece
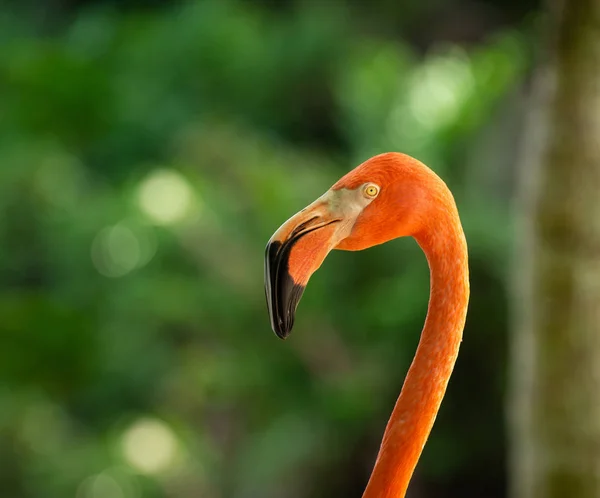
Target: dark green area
point(109, 317)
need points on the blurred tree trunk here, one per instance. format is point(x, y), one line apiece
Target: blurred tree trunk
point(555, 372)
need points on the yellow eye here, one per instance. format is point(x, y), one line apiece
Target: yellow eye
point(371, 190)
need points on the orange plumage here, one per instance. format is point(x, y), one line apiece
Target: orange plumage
point(390, 195)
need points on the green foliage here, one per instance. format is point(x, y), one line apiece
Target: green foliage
point(146, 159)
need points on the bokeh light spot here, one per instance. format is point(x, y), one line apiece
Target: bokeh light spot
point(439, 89)
point(165, 197)
point(149, 446)
point(115, 251)
point(119, 249)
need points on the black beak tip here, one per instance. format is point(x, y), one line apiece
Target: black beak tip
point(282, 293)
point(282, 332)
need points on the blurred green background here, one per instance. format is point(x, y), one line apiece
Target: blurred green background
point(148, 150)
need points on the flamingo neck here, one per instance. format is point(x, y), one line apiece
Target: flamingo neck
point(425, 384)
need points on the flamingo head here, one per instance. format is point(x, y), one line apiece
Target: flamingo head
point(386, 197)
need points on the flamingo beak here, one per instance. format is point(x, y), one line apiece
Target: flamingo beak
point(294, 252)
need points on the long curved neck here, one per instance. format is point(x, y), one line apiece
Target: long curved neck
point(416, 409)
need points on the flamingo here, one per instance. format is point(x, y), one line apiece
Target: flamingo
point(388, 196)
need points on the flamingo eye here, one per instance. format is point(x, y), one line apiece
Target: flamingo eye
point(371, 190)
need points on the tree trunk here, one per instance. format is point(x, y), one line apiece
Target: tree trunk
point(554, 405)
